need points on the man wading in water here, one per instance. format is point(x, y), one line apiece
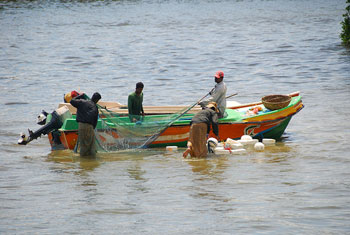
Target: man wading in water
point(87, 115)
point(200, 128)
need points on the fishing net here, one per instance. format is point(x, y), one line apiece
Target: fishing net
point(117, 131)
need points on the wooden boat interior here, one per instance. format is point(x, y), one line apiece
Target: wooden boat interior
point(154, 110)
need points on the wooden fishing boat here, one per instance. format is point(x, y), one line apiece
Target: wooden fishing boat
point(241, 119)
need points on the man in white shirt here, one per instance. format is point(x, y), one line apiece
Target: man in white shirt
point(218, 94)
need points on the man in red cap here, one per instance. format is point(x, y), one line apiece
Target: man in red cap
point(218, 94)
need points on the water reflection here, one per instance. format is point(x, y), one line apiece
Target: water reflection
point(278, 153)
point(202, 166)
point(136, 172)
point(70, 160)
point(210, 180)
point(89, 164)
point(61, 156)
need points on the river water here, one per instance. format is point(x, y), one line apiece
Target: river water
point(299, 186)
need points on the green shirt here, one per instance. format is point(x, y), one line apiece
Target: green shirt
point(135, 104)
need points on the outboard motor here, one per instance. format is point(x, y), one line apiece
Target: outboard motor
point(42, 118)
point(212, 143)
point(57, 118)
point(54, 124)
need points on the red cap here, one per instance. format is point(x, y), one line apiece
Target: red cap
point(219, 74)
point(74, 94)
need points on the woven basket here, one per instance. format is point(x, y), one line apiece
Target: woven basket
point(274, 102)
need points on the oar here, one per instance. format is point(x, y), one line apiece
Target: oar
point(231, 95)
point(201, 99)
point(155, 136)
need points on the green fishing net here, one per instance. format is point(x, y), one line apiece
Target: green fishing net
point(117, 131)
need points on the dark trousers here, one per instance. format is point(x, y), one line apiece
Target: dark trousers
point(86, 140)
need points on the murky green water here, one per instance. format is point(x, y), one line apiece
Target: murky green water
point(299, 186)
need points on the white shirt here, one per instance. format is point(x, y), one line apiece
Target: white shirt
point(219, 96)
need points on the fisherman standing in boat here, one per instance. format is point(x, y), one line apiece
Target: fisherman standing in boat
point(218, 94)
point(199, 131)
point(135, 101)
point(87, 116)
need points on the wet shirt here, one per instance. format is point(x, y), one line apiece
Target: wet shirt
point(87, 111)
point(208, 116)
point(135, 104)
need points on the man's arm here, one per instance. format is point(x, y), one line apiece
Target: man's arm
point(130, 102)
point(215, 124)
point(95, 120)
point(76, 101)
point(142, 112)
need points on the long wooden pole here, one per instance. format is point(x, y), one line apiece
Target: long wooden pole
point(231, 95)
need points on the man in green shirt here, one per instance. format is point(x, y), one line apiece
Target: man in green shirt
point(135, 100)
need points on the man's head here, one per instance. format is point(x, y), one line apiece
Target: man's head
point(96, 97)
point(139, 88)
point(219, 76)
